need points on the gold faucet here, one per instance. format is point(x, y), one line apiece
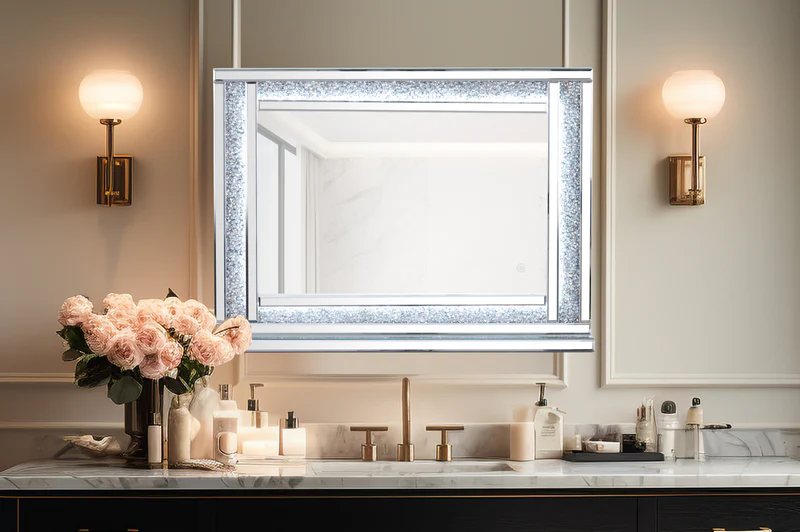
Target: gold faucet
point(405, 450)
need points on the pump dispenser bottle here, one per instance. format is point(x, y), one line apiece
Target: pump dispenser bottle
point(668, 426)
point(226, 427)
point(694, 422)
point(293, 438)
point(257, 418)
point(548, 428)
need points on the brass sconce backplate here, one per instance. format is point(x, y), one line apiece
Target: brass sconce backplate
point(680, 181)
point(122, 190)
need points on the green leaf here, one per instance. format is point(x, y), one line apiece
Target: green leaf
point(71, 354)
point(125, 390)
point(175, 386)
point(98, 372)
point(171, 293)
point(74, 336)
point(92, 371)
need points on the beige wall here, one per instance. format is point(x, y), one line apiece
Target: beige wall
point(56, 241)
point(750, 235)
point(277, 34)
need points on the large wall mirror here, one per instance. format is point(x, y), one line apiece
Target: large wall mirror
point(404, 210)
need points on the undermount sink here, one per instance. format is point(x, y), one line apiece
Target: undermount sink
point(409, 468)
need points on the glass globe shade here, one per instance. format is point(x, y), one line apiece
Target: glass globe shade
point(110, 94)
point(693, 94)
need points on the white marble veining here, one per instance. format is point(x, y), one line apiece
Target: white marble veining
point(316, 474)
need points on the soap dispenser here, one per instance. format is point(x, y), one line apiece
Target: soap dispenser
point(548, 428)
point(256, 417)
point(694, 422)
point(293, 438)
point(226, 428)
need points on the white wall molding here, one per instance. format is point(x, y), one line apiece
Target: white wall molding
point(195, 71)
point(611, 376)
point(37, 377)
point(61, 425)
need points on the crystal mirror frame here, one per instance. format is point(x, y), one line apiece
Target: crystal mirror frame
point(558, 322)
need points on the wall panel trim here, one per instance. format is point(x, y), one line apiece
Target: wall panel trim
point(610, 375)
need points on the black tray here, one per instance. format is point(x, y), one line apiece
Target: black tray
point(580, 456)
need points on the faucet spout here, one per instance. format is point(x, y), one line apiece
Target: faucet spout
point(405, 450)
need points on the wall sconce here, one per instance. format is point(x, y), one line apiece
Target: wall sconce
point(112, 96)
point(695, 96)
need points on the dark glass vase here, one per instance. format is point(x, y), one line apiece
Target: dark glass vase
point(136, 421)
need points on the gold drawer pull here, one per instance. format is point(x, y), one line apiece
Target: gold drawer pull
point(760, 529)
point(126, 530)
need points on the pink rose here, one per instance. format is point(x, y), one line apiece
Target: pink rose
point(98, 332)
point(124, 350)
point(210, 350)
point(186, 325)
point(238, 332)
point(174, 308)
point(122, 318)
point(151, 338)
point(171, 354)
point(157, 365)
point(74, 311)
point(149, 310)
point(120, 309)
point(152, 367)
point(119, 301)
point(200, 313)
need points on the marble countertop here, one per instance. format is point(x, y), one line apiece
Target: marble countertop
point(318, 474)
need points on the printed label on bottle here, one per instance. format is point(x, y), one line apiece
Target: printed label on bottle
point(548, 430)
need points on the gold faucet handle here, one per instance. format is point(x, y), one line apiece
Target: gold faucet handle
point(444, 451)
point(369, 451)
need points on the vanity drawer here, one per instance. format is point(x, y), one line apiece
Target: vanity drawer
point(434, 514)
point(107, 514)
point(741, 512)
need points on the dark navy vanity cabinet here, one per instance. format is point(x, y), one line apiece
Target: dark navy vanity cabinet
point(407, 510)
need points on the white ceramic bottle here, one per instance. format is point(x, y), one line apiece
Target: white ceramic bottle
point(668, 426)
point(204, 403)
point(226, 427)
point(179, 433)
point(548, 428)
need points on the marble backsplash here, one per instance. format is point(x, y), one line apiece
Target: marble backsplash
point(485, 440)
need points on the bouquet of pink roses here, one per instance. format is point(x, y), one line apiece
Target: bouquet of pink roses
point(177, 341)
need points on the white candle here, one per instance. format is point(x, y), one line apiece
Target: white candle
point(522, 441)
point(260, 448)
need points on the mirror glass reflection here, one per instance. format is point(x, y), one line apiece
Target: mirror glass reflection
point(402, 200)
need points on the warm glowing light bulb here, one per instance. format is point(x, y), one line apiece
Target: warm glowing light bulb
point(111, 94)
point(693, 94)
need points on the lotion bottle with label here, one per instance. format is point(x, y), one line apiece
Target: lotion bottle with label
point(548, 428)
point(226, 428)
